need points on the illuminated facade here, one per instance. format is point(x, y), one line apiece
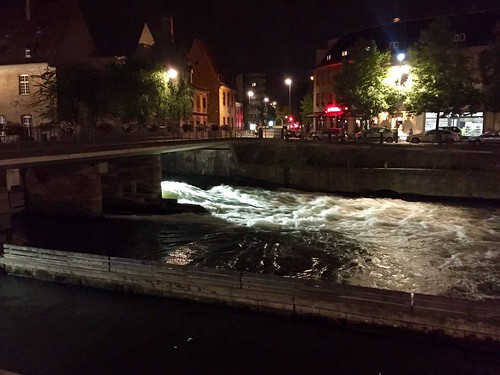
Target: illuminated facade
point(221, 104)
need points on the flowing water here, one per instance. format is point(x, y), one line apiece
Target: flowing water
point(435, 248)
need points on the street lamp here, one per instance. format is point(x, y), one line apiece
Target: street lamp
point(288, 82)
point(265, 110)
point(250, 94)
point(172, 73)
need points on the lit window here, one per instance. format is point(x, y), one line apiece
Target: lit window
point(27, 122)
point(254, 84)
point(2, 119)
point(344, 53)
point(27, 53)
point(24, 84)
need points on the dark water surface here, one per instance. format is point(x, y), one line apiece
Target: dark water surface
point(56, 329)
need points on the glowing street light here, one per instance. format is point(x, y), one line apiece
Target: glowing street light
point(288, 82)
point(266, 100)
point(172, 73)
point(250, 94)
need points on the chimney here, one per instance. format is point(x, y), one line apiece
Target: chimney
point(28, 10)
point(170, 22)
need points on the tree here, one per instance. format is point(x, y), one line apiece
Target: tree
point(306, 107)
point(179, 100)
point(441, 80)
point(489, 63)
point(281, 113)
point(68, 93)
point(361, 82)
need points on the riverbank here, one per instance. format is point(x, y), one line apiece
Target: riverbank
point(472, 321)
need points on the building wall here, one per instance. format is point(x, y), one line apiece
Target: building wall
point(13, 105)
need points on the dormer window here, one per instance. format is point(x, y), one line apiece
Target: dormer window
point(459, 37)
point(344, 53)
point(27, 53)
point(328, 57)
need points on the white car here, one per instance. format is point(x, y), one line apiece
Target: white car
point(429, 136)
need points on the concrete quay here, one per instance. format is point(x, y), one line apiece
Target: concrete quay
point(346, 304)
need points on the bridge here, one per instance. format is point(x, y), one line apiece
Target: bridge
point(75, 175)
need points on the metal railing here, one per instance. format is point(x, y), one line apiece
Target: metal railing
point(59, 138)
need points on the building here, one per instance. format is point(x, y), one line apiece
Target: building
point(56, 34)
point(221, 99)
point(32, 43)
point(473, 30)
point(252, 92)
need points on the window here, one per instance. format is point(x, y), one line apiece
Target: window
point(27, 53)
point(223, 98)
point(24, 84)
point(394, 45)
point(27, 122)
point(204, 103)
point(328, 57)
point(3, 119)
point(459, 37)
point(344, 53)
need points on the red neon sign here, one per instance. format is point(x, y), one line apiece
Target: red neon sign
point(335, 109)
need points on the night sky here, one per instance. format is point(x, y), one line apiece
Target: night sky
point(278, 38)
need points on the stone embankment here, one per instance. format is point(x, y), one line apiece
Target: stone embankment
point(431, 171)
point(344, 304)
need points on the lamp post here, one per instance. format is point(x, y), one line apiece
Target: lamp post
point(250, 94)
point(265, 110)
point(288, 82)
point(401, 70)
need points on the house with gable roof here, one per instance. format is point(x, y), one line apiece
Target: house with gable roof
point(54, 34)
point(34, 39)
point(206, 73)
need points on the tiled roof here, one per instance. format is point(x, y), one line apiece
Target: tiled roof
point(477, 26)
point(41, 34)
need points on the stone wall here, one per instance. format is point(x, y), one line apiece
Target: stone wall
point(338, 168)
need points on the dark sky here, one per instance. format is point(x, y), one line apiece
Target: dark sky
point(280, 38)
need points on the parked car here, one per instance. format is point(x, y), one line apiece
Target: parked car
point(332, 134)
point(447, 136)
point(373, 135)
point(492, 136)
point(297, 133)
point(455, 129)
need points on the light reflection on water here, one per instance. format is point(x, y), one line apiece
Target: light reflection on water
point(423, 247)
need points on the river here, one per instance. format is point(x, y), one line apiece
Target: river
point(439, 248)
